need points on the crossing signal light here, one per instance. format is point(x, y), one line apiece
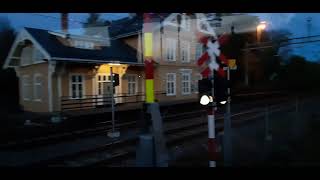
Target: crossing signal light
point(115, 79)
point(205, 91)
point(220, 90)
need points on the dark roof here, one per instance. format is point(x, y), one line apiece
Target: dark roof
point(131, 24)
point(125, 26)
point(117, 51)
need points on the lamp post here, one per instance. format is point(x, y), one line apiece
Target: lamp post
point(113, 133)
point(261, 26)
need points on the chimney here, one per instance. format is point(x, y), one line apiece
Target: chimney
point(64, 22)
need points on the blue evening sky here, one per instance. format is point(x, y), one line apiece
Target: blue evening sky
point(296, 23)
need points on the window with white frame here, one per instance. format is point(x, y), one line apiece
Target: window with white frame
point(199, 50)
point(26, 55)
point(37, 87)
point(132, 84)
point(26, 87)
point(171, 84)
point(171, 49)
point(76, 86)
point(185, 83)
point(37, 55)
point(185, 51)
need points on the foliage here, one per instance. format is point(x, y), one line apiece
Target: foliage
point(301, 75)
point(9, 93)
point(7, 35)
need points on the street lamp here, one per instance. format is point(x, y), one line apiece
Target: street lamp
point(262, 26)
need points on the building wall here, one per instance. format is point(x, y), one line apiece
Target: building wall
point(161, 82)
point(31, 105)
point(165, 66)
point(55, 94)
point(87, 74)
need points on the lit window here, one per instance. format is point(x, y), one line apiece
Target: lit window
point(76, 86)
point(171, 84)
point(37, 87)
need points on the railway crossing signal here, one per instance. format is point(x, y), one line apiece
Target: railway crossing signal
point(205, 95)
point(115, 79)
point(220, 91)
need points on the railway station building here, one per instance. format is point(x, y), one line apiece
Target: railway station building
point(60, 71)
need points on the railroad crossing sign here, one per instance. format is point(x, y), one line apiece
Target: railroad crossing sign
point(212, 59)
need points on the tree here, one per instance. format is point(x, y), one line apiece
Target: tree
point(7, 36)
point(9, 94)
point(96, 26)
point(272, 58)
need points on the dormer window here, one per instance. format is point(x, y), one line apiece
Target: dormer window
point(185, 23)
point(83, 44)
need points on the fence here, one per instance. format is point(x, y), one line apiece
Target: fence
point(68, 103)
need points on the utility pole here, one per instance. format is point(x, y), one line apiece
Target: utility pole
point(112, 134)
point(309, 19)
point(227, 147)
point(246, 75)
point(212, 142)
point(227, 150)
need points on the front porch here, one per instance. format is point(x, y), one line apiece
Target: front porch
point(88, 86)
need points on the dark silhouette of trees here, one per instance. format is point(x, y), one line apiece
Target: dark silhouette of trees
point(9, 92)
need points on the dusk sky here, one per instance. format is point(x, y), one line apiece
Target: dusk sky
point(296, 23)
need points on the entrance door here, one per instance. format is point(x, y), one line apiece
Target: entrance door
point(104, 89)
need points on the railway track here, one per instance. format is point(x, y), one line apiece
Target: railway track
point(103, 128)
point(175, 133)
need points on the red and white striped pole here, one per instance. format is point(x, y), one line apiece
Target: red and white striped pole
point(208, 64)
